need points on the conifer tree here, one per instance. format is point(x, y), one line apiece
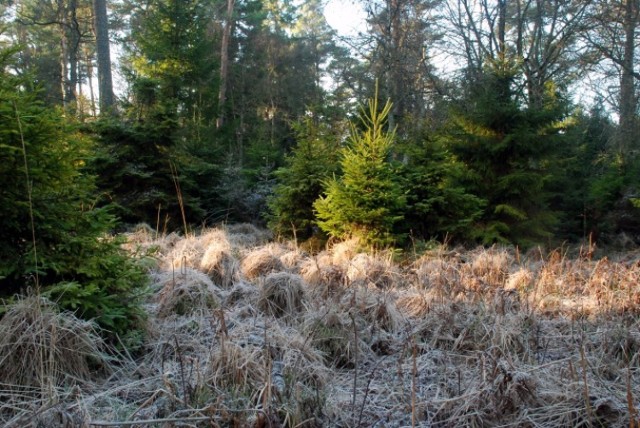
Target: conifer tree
point(508, 148)
point(312, 161)
point(52, 237)
point(438, 204)
point(367, 201)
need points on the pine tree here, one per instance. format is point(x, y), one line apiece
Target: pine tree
point(367, 201)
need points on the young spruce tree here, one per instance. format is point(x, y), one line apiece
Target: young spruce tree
point(313, 161)
point(367, 201)
point(52, 237)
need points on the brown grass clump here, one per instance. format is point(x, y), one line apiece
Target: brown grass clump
point(282, 293)
point(343, 252)
point(187, 293)
point(260, 262)
point(487, 268)
point(140, 234)
point(326, 280)
point(186, 253)
point(368, 270)
point(520, 280)
point(293, 260)
point(221, 266)
point(246, 235)
point(237, 367)
point(413, 303)
point(443, 275)
point(45, 349)
point(242, 293)
point(379, 310)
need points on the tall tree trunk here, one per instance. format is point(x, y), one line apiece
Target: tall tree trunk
point(628, 102)
point(396, 85)
point(66, 58)
point(73, 31)
point(502, 24)
point(224, 63)
point(105, 81)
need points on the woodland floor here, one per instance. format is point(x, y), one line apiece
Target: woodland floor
point(244, 332)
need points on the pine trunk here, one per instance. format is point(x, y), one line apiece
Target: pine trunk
point(105, 81)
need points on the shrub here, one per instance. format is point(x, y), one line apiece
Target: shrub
point(51, 234)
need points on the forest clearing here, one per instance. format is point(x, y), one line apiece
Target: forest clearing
point(246, 332)
point(231, 213)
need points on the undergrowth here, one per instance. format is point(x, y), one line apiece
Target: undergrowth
point(246, 333)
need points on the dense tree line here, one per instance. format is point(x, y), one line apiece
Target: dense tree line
point(506, 121)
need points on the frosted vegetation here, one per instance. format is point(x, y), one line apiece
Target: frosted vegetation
point(245, 331)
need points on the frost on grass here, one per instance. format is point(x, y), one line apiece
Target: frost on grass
point(247, 333)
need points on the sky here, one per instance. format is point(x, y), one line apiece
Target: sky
point(345, 16)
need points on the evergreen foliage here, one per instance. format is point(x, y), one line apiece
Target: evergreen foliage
point(312, 162)
point(438, 205)
point(147, 176)
point(587, 182)
point(508, 148)
point(159, 161)
point(367, 201)
point(51, 235)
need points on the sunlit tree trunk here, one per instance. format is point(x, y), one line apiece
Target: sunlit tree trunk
point(105, 80)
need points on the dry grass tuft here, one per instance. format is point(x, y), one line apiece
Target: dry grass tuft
point(343, 252)
point(332, 334)
point(293, 260)
point(380, 311)
point(413, 303)
point(261, 262)
point(42, 349)
point(327, 280)
point(520, 280)
point(237, 367)
point(219, 263)
point(281, 294)
point(246, 235)
point(442, 275)
point(187, 293)
point(185, 253)
point(140, 234)
point(487, 268)
point(242, 293)
point(368, 270)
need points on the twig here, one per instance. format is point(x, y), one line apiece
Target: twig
point(366, 391)
point(633, 412)
point(29, 194)
point(355, 357)
point(414, 375)
point(174, 176)
point(182, 375)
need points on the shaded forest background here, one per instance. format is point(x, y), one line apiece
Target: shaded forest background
point(508, 121)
